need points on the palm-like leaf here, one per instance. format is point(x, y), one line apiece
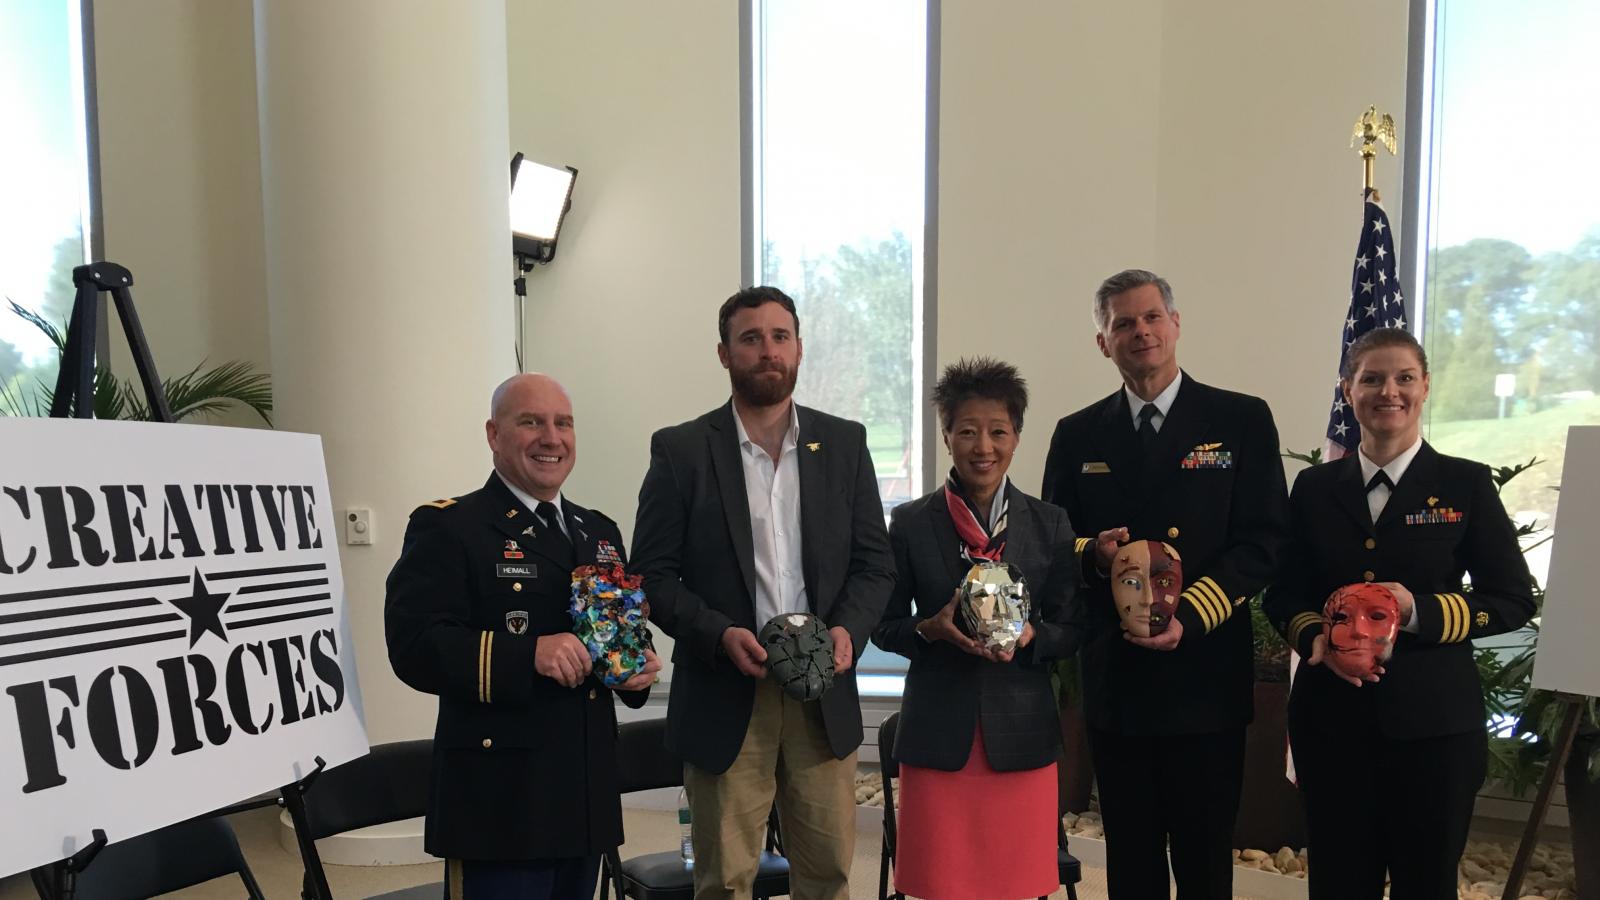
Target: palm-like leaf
point(198, 392)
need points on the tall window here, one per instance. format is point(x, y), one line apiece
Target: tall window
point(44, 183)
point(1510, 213)
point(838, 138)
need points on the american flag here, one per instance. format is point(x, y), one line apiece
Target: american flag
point(1375, 302)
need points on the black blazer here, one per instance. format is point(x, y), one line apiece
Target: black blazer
point(948, 690)
point(523, 768)
point(1213, 488)
point(1430, 687)
point(693, 544)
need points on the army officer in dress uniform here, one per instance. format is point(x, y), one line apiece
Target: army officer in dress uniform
point(524, 797)
point(1389, 770)
point(1170, 459)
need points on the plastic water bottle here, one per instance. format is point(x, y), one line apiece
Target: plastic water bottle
point(686, 844)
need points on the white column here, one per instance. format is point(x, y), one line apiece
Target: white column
point(385, 172)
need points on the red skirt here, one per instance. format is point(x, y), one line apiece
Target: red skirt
point(976, 834)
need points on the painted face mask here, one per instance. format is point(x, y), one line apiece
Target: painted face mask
point(993, 605)
point(1361, 622)
point(609, 615)
point(1146, 579)
point(799, 654)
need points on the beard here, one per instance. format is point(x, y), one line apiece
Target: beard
point(753, 389)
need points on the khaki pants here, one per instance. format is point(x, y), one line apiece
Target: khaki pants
point(785, 755)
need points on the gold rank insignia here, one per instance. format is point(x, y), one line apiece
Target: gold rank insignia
point(814, 446)
point(440, 504)
point(1482, 618)
point(1095, 468)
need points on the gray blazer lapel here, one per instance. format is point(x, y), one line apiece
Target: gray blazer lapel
point(945, 539)
point(812, 465)
point(728, 468)
point(1020, 538)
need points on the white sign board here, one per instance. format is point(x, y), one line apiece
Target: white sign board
point(172, 627)
point(1566, 659)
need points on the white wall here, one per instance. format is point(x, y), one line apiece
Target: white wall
point(1259, 204)
point(180, 165)
point(1047, 183)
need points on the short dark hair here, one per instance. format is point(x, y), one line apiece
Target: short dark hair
point(1377, 339)
point(750, 298)
point(980, 378)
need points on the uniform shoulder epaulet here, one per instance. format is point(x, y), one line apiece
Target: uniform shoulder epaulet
point(600, 515)
point(440, 504)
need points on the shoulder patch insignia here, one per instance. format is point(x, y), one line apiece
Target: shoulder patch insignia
point(440, 504)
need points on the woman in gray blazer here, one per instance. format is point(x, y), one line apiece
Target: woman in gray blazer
point(978, 736)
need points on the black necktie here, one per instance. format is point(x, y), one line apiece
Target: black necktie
point(552, 518)
point(1382, 478)
point(1147, 425)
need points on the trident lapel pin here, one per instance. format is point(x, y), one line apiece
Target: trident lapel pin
point(814, 446)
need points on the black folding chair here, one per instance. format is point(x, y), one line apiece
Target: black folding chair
point(644, 763)
point(389, 784)
point(165, 860)
point(1067, 865)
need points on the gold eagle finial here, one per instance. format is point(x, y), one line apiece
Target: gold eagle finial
point(1373, 129)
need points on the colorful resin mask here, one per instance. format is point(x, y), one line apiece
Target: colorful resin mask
point(1146, 579)
point(993, 605)
point(1361, 622)
point(609, 615)
point(799, 654)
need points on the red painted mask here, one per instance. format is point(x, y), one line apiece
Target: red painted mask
point(1146, 579)
point(1361, 621)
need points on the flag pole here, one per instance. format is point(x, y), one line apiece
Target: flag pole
point(1371, 130)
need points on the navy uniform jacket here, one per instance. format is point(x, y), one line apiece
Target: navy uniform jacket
point(693, 544)
point(523, 768)
point(1213, 488)
point(1444, 518)
point(948, 691)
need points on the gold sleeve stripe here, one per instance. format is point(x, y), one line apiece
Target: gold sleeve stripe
point(1080, 544)
point(1466, 616)
point(1199, 607)
point(1447, 616)
point(1457, 618)
point(1214, 592)
point(483, 652)
point(488, 669)
point(1206, 605)
point(1299, 624)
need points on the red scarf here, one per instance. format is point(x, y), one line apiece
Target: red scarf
point(971, 526)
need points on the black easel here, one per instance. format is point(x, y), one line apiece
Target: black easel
point(74, 398)
point(1573, 704)
point(75, 381)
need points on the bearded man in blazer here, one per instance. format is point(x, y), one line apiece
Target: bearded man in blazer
point(758, 508)
point(1167, 458)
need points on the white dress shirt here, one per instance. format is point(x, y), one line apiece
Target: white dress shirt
point(1378, 497)
point(1162, 402)
point(532, 503)
point(772, 489)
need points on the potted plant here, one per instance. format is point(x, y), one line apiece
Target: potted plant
point(1076, 778)
point(1520, 752)
point(198, 392)
point(1270, 812)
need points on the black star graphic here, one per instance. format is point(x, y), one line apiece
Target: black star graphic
point(203, 608)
